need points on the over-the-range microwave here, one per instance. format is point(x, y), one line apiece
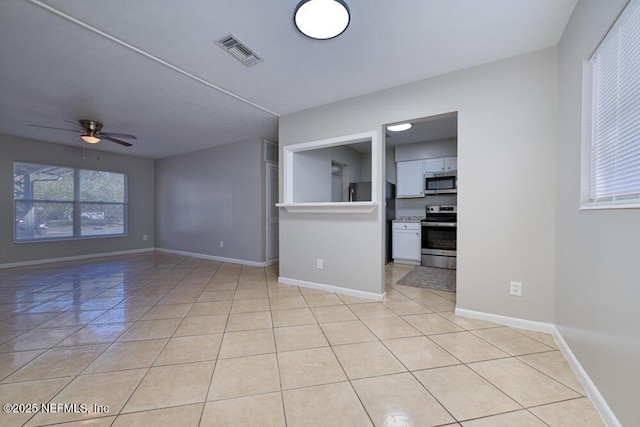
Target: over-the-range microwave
point(441, 183)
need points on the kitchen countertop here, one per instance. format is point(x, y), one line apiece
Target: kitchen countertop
point(409, 219)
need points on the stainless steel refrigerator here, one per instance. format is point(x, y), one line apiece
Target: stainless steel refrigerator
point(361, 192)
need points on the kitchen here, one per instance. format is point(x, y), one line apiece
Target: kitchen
point(423, 161)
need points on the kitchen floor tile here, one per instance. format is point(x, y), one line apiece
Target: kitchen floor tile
point(244, 376)
point(468, 347)
point(405, 306)
point(367, 360)
point(284, 303)
point(333, 313)
point(371, 310)
point(37, 339)
point(391, 327)
point(249, 321)
point(347, 332)
point(195, 348)
point(299, 337)
point(420, 353)
point(324, 405)
point(431, 323)
point(465, 394)
point(151, 329)
point(57, 363)
point(167, 311)
point(111, 389)
point(554, 365)
point(183, 416)
point(202, 325)
point(249, 305)
point(510, 419)
point(466, 322)
point(523, 383)
point(247, 343)
point(510, 341)
point(128, 355)
point(265, 410)
point(304, 368)
point(171, 386)
point(294, 317)
point(95, 334)
point(11, 362)
point(400, 400)
point(210, 308)
point(577, 412)
point(314, 300)
point(41, 391)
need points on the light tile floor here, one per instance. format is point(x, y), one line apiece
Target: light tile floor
point(160, 339)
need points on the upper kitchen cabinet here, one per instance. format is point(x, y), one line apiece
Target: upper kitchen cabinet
point(440, 164)
point(410, 179)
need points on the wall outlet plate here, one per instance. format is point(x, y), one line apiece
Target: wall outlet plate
point(221, 244)
point(319, 263)
point(516, 289)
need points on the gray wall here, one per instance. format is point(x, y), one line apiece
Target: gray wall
point(140, 210)
point(213, 195)
point(598, 277)
point(507, 136)
point(312, 172)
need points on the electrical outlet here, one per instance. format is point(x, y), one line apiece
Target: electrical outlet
point(319, 263)
point(516, 289)
point(221, 244)
point(144, 237)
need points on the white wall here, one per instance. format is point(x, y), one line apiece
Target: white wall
point(213, 195)
point(427, 149)
point(598, 277)
point(507, 135)
point(140, 219)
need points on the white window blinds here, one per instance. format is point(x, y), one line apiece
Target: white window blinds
point(615, 113)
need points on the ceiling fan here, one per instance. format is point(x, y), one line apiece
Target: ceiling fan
point(91, 133)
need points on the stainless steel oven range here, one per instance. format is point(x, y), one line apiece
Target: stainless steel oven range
point(439, 233)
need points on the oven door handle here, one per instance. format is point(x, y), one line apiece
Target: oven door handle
point(439, 224)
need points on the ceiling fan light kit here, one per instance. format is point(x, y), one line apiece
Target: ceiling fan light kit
point(90, 138)
point(322, 19)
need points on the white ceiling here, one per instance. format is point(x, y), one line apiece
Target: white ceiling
point(151, 68)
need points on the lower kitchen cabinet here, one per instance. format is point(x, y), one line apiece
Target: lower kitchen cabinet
point(406, 242)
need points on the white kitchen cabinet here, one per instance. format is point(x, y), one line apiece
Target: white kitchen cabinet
point(406, 242)
point(410, 179)
point(441, 164)
point(451, 164)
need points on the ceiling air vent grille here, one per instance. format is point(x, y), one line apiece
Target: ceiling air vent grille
point(239, 50)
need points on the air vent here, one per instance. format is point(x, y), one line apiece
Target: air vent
point(239, 50)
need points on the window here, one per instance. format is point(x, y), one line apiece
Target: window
point(614, 165)
point(53, 202)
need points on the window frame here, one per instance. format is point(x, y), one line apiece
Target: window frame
point(76, 204)
point(587, 199)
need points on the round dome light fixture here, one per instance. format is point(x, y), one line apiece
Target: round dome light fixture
point(90, 138)
point(322, 19)
point(399, 128)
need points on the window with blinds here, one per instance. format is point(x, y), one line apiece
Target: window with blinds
point(615, 113)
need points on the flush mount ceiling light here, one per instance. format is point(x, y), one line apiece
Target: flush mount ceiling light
point(322, 19)
point(399, 128)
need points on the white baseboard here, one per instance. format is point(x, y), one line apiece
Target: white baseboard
point(531, 325)
point(600, 404)
point(73, 258)
point(218, 258)
point(335, 289)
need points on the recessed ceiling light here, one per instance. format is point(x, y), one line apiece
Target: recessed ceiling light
point(322, 19)
point(399, 128)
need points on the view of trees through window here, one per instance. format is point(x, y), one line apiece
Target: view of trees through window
point(54, 202)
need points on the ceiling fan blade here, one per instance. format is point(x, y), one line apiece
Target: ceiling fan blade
point(117, 141)
point(50, 127)
point(119, 135)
